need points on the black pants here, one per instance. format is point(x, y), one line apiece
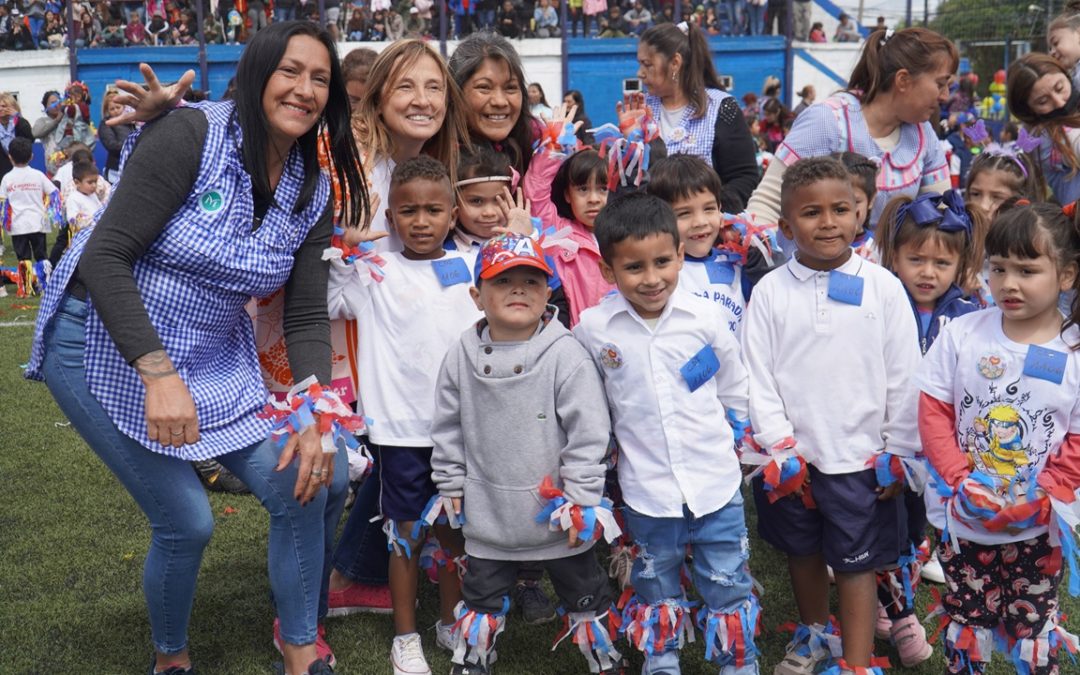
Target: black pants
point(29, 246)
point(580, 583)
point(63, 238)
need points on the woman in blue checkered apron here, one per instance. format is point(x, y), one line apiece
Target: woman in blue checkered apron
point(151, 354)
point(884, 113)
point(695, 115)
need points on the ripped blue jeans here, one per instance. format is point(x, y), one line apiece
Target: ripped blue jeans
point(718, 541)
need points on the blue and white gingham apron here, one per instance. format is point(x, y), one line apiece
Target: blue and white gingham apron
point(195, 280)
point(697, 134)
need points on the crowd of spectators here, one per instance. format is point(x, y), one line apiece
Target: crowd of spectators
point(43, 24)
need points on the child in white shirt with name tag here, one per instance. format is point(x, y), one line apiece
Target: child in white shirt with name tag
point(830, 342)
point(999, 421)
point(406, 323)
point(672, 375)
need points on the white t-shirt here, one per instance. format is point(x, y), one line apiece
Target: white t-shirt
point(405, 326)
point(695, 277)
point(80, 209)
point(25, 190)
point(1007, 422)
point(64, 177)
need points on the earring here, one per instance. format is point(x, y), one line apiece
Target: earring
point(674, 76)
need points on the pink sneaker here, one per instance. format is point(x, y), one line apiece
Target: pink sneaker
point(322, 647)
point(360, 598)
point(910, 639)
point(883, 625)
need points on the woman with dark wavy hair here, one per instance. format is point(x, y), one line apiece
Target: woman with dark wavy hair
point(144, 341)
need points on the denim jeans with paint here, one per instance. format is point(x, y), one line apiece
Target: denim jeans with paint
point(169, 492)
point(720, 546)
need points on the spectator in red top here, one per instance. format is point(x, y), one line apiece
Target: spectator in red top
point(135, 33)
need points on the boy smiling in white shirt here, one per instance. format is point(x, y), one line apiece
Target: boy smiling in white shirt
point(672, 375)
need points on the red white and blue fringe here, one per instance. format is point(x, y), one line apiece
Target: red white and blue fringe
point(840, 667)
point(439, 509)
point(401, 546)
point(363, 255)
point(729, 636)
point(433, 557)
point(1031, 653)
point(821, 643)
point(902, 580)
point(591, 522)
point(751, 235)
point(594, 637)
point(969, 645)
point(309, 404)
point(655, 629)
point(783, 469)
point(474, 633)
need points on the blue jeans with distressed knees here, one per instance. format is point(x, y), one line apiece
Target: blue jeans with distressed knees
point(720, 546)
point(170, 494)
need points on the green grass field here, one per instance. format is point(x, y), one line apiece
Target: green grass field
point(72, 543)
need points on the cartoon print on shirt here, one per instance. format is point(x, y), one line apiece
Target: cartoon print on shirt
point(1006, 439)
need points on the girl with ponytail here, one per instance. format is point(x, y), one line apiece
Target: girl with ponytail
point(695, 115)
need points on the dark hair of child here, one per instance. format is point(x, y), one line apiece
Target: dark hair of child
point(581, 168)
point(863, 170)
point(84, 170)
point(634, 215)
point(682, 176)
point(807, 172)
point(1026, 182)
point(478, 161)
point(21, 150)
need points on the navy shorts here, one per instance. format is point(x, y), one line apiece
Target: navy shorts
point(853, 529)
point(405, 485)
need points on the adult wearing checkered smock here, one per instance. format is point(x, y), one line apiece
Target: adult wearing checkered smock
point(696, 116)
point(894, 91)
point(145, 344)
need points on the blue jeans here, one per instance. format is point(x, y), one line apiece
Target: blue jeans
point(757, 19)
point(284, 14)
point(719, 544)
point(169, 493)
point(361, 552)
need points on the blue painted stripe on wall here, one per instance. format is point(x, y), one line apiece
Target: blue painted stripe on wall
point(809, 58)
point(835, 11)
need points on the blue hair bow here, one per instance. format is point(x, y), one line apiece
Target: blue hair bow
point(946, 212)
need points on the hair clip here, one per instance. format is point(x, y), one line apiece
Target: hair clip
point(684, 27)
point(1026, 141)
point(945, 211)
point(977, 132)
point(1023, 202)
point(888, 34)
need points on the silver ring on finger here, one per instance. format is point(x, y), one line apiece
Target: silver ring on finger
point(317, 473)
point(177, 433)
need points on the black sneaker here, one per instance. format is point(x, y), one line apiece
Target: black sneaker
point(535, 606)
point(469, 669)
point(172, 670)
point(217, 478)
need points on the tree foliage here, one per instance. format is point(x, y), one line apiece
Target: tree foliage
point(993, 19)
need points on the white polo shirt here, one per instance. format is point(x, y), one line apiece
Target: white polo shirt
point(405, 326)
point(675, 444)
point(833, 375)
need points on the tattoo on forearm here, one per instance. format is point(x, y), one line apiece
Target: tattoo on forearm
point(154, 365)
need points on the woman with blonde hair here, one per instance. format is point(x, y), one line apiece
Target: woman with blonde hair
point(12, 125)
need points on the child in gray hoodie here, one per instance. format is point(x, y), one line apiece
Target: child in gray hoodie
point(520, 432)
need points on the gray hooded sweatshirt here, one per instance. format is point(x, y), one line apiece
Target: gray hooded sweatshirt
point(506, 415)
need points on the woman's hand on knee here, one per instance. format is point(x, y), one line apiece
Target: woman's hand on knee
point(171, 418)
point(316, 467)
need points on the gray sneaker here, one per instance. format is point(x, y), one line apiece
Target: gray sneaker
point(535, 606)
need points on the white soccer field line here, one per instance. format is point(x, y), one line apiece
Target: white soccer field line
point(16, 324)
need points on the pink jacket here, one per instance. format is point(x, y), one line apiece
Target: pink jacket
point(579, 270)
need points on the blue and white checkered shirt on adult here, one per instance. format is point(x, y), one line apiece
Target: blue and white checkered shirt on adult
point(195, 280)
point(693, 135)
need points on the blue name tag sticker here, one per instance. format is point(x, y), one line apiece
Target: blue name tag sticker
point(845, 288)
point(700, 368)
point(451, 271)
point(1045, 364)
point(720, 273)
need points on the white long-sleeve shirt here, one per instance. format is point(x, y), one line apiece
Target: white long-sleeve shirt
point(675, 444)
point(405, 326)
point(833, 376)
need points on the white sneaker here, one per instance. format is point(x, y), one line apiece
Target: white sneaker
point(407, 656)
point(444, 636)
point(932, 571)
